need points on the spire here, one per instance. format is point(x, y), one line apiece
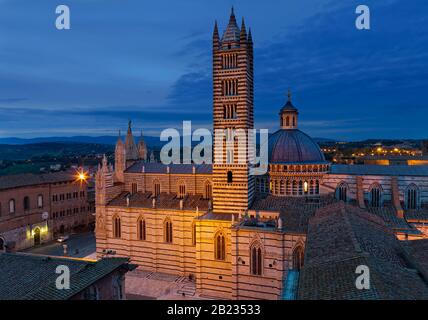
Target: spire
point(142, 148)
point(130, 146)
point(119, 139)
point(129, 127)
point(243, 35)
point(215, 33)
point(289, 95)
point(216, 38)
point(250, 37)
point(231, 34)
point(104, 163)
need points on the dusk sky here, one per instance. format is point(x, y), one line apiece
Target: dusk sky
point(150, 61)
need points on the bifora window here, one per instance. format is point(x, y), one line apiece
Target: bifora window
point(181, 190)
point(220, 247)
point(342, 192)
point(412, 197)
point(256, 258)
point(141, 227)
point(168, 231)
point(375, 197)
point(156, 188)
point(116, 227)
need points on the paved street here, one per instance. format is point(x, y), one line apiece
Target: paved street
point(84, 243)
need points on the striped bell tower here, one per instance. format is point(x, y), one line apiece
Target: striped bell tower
point(233, 97)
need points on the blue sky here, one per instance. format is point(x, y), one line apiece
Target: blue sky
point(151, 61)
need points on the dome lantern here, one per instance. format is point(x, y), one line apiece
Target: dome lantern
point(288, 115)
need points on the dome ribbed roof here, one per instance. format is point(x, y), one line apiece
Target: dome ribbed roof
point(293, 146)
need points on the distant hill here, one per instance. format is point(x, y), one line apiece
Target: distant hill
point(107, 140)
point(152, 142)
point(51, 149)
point(324, 140)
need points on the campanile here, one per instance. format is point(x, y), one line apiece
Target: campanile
point(233, 98)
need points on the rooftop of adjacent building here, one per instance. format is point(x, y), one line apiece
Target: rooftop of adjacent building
point(364, 169)
point(155, 167)
point(30, 179)
point(294, 212)
point(28, 276)
point(162, 201)
point(342, 237)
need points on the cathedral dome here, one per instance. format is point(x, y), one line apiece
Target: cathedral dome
point(293, 146)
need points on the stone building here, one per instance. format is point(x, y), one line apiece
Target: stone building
point(35, 208)
point(241, 236)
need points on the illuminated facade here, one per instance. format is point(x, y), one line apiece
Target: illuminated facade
point(238, 236)
point(34, 209)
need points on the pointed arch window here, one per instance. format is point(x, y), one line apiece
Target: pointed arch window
point(288, 187)
point(117, 232)
point(375, 196)
point(181, 190)
point(317, 187)
point(294, 188)
point(342, 192)
point(168, 231)
point(311, 187)
point(412, 194)
point(156, 188)
point(256, 258)
point(141, 229)
point(134, 188)
point(298, 257)
point(194, 234)
point(220, 247)
point(208, 190)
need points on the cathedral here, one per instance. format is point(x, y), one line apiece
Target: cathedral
point(243, 236)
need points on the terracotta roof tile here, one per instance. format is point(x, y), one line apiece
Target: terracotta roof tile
point(29, 179)
point(163, 201)
point(340, 238)
point(32, 277)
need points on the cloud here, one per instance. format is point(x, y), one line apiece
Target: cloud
point(156, 68)
point(12, 100)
